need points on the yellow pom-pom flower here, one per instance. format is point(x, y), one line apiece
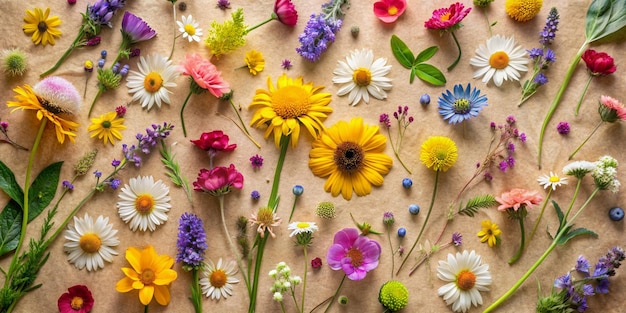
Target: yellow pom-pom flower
point(523, 10)
point(439, 153)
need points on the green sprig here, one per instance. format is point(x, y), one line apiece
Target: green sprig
point(423, 71)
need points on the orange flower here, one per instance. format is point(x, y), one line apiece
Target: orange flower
point(516, 197)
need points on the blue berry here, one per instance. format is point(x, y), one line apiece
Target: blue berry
point(401, 232)
point(407, 183)
point(425, 99)
point(103, 53)
point(616, 214)
point(414, 209)
point(297, 190)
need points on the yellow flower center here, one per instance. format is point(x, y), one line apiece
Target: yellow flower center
point(461, 106)
point(303, 225)
point(144, 203)
point(445, 17)
point(90, 243)
point(392, 10)
point(153, 82)
point(554, 179)
point(489, 232)
point(465, 280)
point(106, 124)
point(356, 257)
point(265, 216)
point(42, 26)
point(290, 102)
point(218, 278)
point(499, 60)
point(362, 77)
point(147, 276)
point(76, 303)
point(189, 29)
point(348, 157)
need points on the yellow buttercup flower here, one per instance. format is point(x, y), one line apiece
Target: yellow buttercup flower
point(151, 274)
point(107, 126)
point(41, 26)
point(351, 155)
point(255, 61)
point(288, 106)
point(489, 233)
point(523, 10)
point(439, 153)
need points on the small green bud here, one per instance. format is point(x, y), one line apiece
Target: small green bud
point(343, 300)
point(14, 62)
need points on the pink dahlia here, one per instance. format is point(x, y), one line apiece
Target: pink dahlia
point(204, 74)
point(517, 197)
point(388, 11)
point(447, 18)
point(355, 255)
point(219, 180)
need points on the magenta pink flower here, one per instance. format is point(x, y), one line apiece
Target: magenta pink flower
point(219, 180)
point(388, 11)
point(286, 12)
point(78, 299)
point(204, 74)
point(611, 109)
point(355, 255)
point(447, 18)
point(214, 141)
point(517, 197)
point(598, 63)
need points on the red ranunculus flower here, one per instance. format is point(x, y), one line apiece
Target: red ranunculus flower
point(219, 180)
point(286, 12)
point(388, 11)
point(78, 299)
point(214, 141)
point(598, 63)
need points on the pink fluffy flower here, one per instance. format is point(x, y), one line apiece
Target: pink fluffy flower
point(204, 74)
point(516, 197)
point(219, 180)
point(388, 11)
point(286, 12)
point(611, 109)
point(447, 18)
point(355, 255)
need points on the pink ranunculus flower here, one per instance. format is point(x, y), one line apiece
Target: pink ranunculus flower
point(214, 141)
point(388, 11)
point(204, 74)
point(286, 12)
point(219, 180)
point(598, 63)
point(447, 18)
point(516, 197)
point(355, 255)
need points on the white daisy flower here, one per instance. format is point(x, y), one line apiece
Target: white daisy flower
point(579, 168)
point(301, 227)
point(90, 243)
point(144, 204)
point(466, 277)
point(190, 28)
point(149, 85)
point(361, 76)
point(217, 281)
point(553, 180)
point(500, 59)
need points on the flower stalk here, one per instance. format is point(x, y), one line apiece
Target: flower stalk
point(458, 46)
point(571, 156)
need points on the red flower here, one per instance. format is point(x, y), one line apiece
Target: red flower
point(316, 263)
point(78, 299)
point(598, 63)
point(218, 180)
point(388, 11)
point(447, 18)
point(214, 141)
point(286, 12)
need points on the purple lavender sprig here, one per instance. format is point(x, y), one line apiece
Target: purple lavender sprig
point(320, 30)
point(191, 242)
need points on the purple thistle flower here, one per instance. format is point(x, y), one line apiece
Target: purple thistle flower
point(388, 218)
point(256, 161)
point(563, 128)
point(457, 239)
point(134, 29)
point(549, 31)
point(223, 4)
point(191, 242)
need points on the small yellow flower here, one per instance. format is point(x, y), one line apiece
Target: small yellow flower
point(42, 27)
point(523, 10)
point(255, 61)
point(490, 233)
point(107, 126)
point(439, 153)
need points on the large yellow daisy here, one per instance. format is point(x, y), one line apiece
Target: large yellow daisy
point(107, 126)
point(41, 26)
point(282, 109)
point(351, 155)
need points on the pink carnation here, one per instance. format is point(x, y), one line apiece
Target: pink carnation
point(445, 18)
point(219, 180)
point(355, 255)
point(286, 12)
point(205, 74)
point(388, 11)
point(214, 141)
point(516, 197)
point(614, 105)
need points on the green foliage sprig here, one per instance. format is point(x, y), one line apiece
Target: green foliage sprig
point(423, 71)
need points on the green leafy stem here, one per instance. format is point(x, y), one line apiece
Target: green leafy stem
point(423, 71)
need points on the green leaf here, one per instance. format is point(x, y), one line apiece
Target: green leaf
point(559, 214)
point(430, 74)
point(480, 202)
point(412, 78)
point(43, 189)
point(604, 17)
point(402, 53)
point(10, 227)
point(10, 185)
point(575, 233)
point(426, 55)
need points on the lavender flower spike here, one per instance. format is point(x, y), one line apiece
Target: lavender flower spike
point(548, 32)
point(102, 11)
point(191, 242)
point(134, 29)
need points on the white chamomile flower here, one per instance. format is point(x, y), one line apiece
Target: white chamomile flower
point(553, 180)
point(144, 203)
point(190, 28)
point(217, 281)
point(361, 77)
point(466, 277)
point(90, 243)
point(301, 227)
point(499, 59)
point(579, 168)
point(149, 85)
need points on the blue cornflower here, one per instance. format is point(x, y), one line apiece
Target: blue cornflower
point(462, 104)
point(191, 242)
point(540, 79)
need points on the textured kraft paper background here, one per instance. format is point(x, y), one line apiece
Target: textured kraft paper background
point(278, 42)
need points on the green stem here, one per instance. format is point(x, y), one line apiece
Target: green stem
point(100, 90)
point(332, 300)
point(196, 295)
point(430, 209)
point(306, 263)
point(230, 242)
point(243, 125)
point(174, 31)
point(582, 96)
point(257, 270)
point(543, 207)
point(272, 17)
point(282, 307)
point(487, 18)
point(81, 34)
point(393, 259)
point(571, 205)
point(458, 46)
point(557, 99)
point(293, 208)
point(182, 119)
point(587, 139)
point(522, 244)
point(145, 308)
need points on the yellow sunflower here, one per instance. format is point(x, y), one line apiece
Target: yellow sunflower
point(351, 155)
point(283, 108)
point(47, 106)
point(107, 126)
point(41, 27)
point(439, 153)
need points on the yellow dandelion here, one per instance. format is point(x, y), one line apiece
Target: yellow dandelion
point(288, 106)
point(439, 153)
point(107, 127)
point(41, 26)
point(489, 233)
point(255, 61)
point(523, 10)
